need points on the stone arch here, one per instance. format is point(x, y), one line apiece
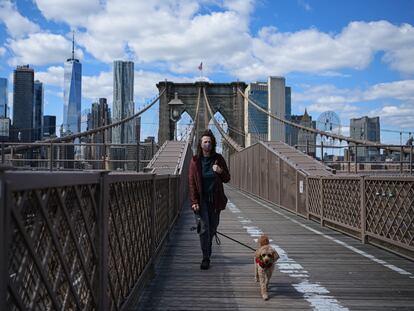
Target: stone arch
point(224, 125)
point(183, 126)
point(223, 97)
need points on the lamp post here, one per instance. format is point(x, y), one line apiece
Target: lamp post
point(175, 111)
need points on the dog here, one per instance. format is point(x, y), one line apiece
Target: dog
point(264, 263)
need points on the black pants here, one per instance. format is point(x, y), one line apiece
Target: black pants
point(207, 222)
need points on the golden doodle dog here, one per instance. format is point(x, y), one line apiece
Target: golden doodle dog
point(264, 263)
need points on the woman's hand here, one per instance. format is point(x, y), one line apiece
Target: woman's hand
point(195, 207)
point(217, 168)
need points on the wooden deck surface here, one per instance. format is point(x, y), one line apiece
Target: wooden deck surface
point(319, 269)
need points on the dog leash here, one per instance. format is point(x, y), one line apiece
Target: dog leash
point(226, 236)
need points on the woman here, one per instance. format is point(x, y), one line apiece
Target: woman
point(208, 171)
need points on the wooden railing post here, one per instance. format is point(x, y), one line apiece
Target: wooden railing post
point(170, 206)
point(321, 200)
point(103, 242)
point(51, 157)
point(307, 196)
point(363, 209)
point(2, 153)
point(153, 216)
point(4, 240)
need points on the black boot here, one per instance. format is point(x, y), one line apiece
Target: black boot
point(205, 264)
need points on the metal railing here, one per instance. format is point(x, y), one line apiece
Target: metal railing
point(90, 156)
point(353, 162)
point(82, 241)
point(378, 210)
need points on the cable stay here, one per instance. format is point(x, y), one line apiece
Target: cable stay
point(228, 139)
point(86, 133)
point(367, 143)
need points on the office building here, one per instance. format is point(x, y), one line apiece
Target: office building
point(49, 127)
point(123, 101)
point(304, 141)
point(122, 107)
point(38, 111)
point(99, 116)
point(277, 100)
point(288, 113)
point(3, 98)
point(366, 128)
point(23, 96)
point(72, 94)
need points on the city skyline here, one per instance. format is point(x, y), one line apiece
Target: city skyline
point(357, 64)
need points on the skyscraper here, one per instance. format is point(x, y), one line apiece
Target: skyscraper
point(255, 123)
point(3, 97)
point(288, 113)
point(23, 95)
point(99, 116)
point(277, 106)
point(366, 128)
point(123, 103)
point(72, 94)
point(49, 126)
point(38, 111)
point(276, 99)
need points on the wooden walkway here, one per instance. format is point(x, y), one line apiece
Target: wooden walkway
point(319, 269)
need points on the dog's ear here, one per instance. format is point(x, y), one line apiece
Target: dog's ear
point(263, 240)
point(275, 255)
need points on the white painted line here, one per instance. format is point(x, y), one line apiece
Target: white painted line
point(354, 249)
point(314, 293)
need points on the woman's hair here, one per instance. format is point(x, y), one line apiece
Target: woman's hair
point(210, 134)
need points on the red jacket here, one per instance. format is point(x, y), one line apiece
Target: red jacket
point(195, 182)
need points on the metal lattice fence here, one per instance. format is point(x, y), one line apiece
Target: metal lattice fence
point(81, 241)
point(379, 210)
point(341, 199)
point(390, 210)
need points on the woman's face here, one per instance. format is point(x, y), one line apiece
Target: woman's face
point(206, 143)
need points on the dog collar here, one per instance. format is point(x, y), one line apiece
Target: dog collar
point(263, 264)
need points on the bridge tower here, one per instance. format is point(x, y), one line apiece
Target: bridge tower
point(223, 97)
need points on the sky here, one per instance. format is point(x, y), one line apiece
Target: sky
point(352, 57)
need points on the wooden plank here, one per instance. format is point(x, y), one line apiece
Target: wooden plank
point(355, 281)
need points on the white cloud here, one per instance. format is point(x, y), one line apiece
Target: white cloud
point(169, 33)
point(351, 103)
point(2, 51)
point(74, 12)
point(175, 35)
point(330, 94)
point(402, 90)
point(243, 7)
point(399, 116)
point(94, 87)
point(17, 25)
point(53, 76)
point(40, 49)
point(314, 51)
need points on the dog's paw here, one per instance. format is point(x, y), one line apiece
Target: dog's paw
point(265, 297)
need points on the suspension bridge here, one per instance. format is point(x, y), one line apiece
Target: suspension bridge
point(121, 240)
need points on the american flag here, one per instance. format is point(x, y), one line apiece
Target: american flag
point(200, 67)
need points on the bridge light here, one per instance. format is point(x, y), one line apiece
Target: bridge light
point(175, 108)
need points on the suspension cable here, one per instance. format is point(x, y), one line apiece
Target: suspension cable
point(229, 140)
point(323, 133)
point(86, 133)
